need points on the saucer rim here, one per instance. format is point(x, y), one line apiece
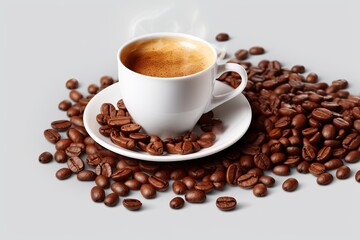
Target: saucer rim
point(168, 157)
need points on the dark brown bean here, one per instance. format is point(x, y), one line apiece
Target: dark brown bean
point(226, 203)
point(324, 178)
point(45, 157)
point(290, 185)
point(352, 157)
point(303, 167)
point(343, 172)
point(52, 135)
point(189, 182)
point(260, 190)
point(86, 175)
point(64, 105)
point(75, 95)
point(195, 196)
point(233, 173)
point(132, 204)
point(241, 54)
point(177, 203)
point(63, 173)
point(102, 181)
point(298, 69)
point(357, 176)
point(256, 50)
point(62, 144)
point(317, 168)
point(120, 188)
point(72, 83)
point(93, 89)
point(322, 114)
point(221, 37)
point(111, 200)
point(61, 125)
point(247, 180)
point(60, 156)
point(75, 164)
point(268, 181)
point(97, 194)
point(158, 183)
point(281, 170)
point(141, 177)
point(133, 184)
point(204, 186)
point(333, 164)
point(148, 191)
point(179, 187)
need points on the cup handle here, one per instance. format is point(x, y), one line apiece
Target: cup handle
point(220, 99)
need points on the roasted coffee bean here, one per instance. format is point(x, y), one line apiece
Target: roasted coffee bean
point(290, 185)
point(241, 54)
point(149, 167)
point(233, 173)
point(324, 178)
point(141, 177)
point(121, 174)
point(322, 114)
point(352, 141)
point(341, 123)
point(97, 194)
point(62, 144)
point(329, 131)
point(226, 203)
point(324, 154)
point(195, 196)
point(75, 95)
point(206, 139)
point(189, 182)
point(281, 170)
point(93, 160)
point(299, 121)
point(120, 188)
point(158, 183)
point(52, 135)
point(102, 181)
point(74, 135)
point(61, 125)
point(357, 176)
point(218, 176)
point(155, 148)
point(133, 184)
point(45, 157)
point(75, 164)
point(303, 167)
point(308, 152)
point(312, 78)
point(352, 157)
point(256, 171)
point(333, 164)
point(179, 187)
point(73, 151)
point(178, 174)
point(106, 81)
point(260, 190)
point(262, 161)
point(104, 169)
point(276, 158)
point(121, 141)
point(148, 191)
point(298, 69)
point(177, 203)
point(72, 83)
point(268, 181)
point(343, 172)
point(130, 128)
point(111, 200)
point(196, 172)
point(256, 50)
point(73, 111)
point(132, 204)
point(221, 37)
point(183, 147)
point(247, 180)
point(204, 186)
point(63, 173)
point(86, 175)
point(60, 156)
point(93, 89)
point(77, 121)
point(317, 168)
point(64, 105)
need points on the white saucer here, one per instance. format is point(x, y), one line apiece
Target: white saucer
point(235, 114)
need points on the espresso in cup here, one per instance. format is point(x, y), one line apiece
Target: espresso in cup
point(167, 57)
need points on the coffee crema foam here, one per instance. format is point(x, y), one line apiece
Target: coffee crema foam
point(167, 57)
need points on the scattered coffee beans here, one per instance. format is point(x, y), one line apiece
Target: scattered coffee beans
point(222, 37)
point(297, 122)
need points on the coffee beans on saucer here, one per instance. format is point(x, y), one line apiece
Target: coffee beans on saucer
point(298, 124)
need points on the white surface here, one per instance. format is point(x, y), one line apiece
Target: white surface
point(47, 42)
point(235, 114)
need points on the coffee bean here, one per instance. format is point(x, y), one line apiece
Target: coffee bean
point(303, 167)
point(179, 187)
point(206, 139)
point(277, 158)
point(195, 196)
point(226, 203)
point(189, 182)
point(51, 135)
point(324, 178)
point(290, 185)
point(93, 89)
point(141, 177)
point(158, 183)
point(184, 147)
point(75, 95)
point(60, 156)
point(155, 148)
point(132, 204)
point(148, 191)
point(324, 154)
point(357, 176)
point(102, 181)
point(312, 78)
point(343, 172)
point(262, 161)
point(64, 105)
point(121, 174)
point(241, 54)
point(73, 151)
point(352, 141)
point(178, 174)
point(45, 157)
point(120, 188)
point(177, 203)
point(86, 175)
point(352, 157)
point(298, 69)
point(72, 83)
point(218, 176)
point(329, 131)
point(333, 164)
point(62, 144)
point(104, 169)
point(75, 164)
point(61, 125)
point(322, 114)
point(149, 167)
point(232, 174)
point(133, 184)
point(247, 180)
point(205, 186)
point(260, 190)
point(74, 135)
point(281, 170)
point(111, 200)
point(256, 50)
point(268, 181)
point(317, 168)
point(77, 121)
point(63, 173)
point(97, 194)
point(221, 37)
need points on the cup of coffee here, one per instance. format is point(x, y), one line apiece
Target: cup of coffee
point(166, 81)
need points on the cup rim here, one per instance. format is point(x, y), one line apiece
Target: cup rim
point(165, 34)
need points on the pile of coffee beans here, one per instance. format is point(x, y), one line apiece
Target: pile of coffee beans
point(299, 124)
point(118, 125)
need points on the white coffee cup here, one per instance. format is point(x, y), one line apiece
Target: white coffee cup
point(169, 106)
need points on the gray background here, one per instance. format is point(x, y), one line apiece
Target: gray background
point(44, 43)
